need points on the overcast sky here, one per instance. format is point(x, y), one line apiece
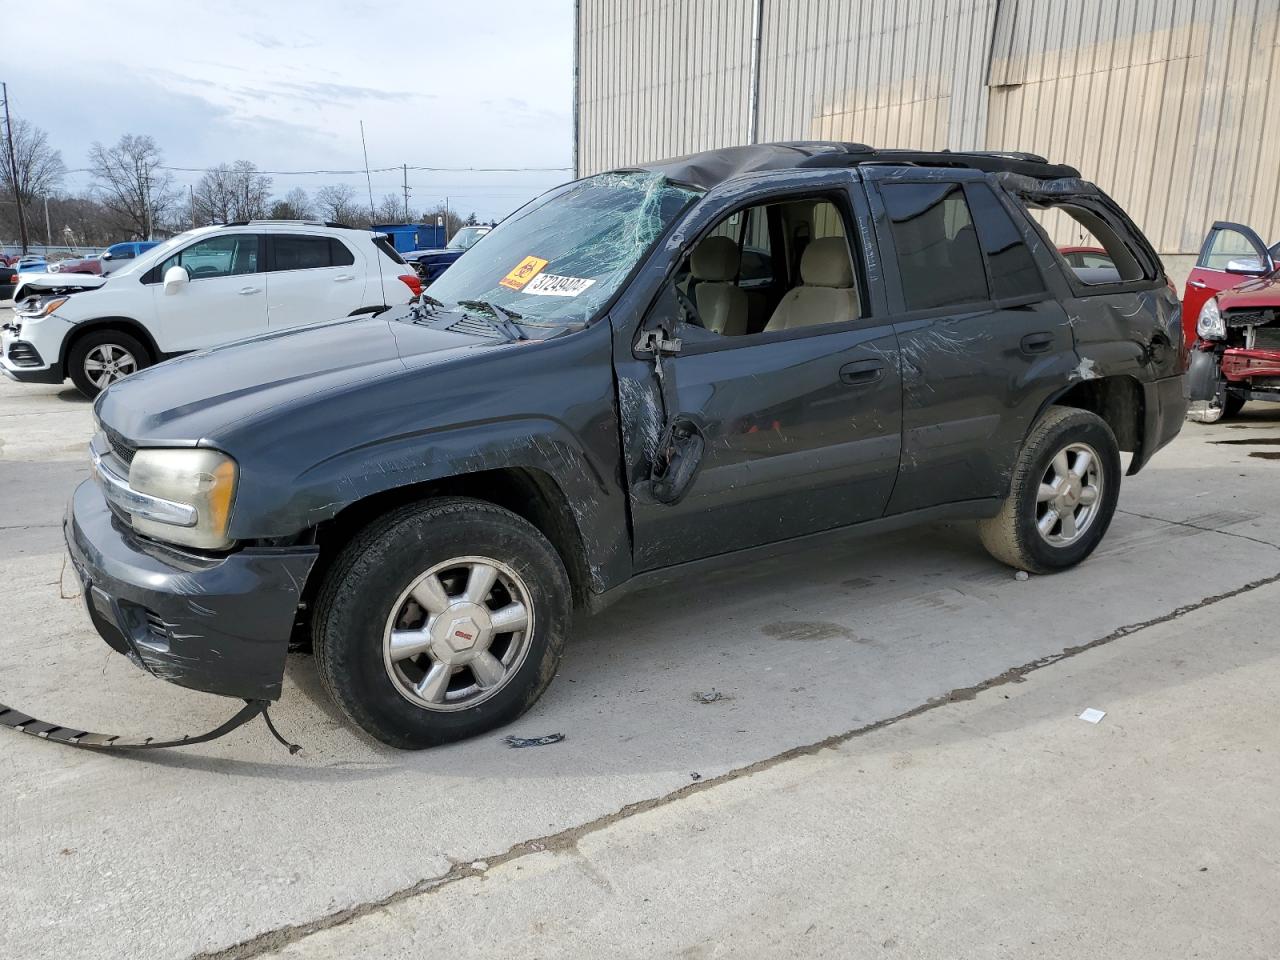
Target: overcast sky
point(486, 83)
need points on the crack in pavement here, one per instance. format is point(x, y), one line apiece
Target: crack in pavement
point(1193, 526)
point(567, 839)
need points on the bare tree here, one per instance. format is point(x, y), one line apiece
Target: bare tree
point(40, 167)
point(439, 214)
point(130, 185)
point(339, 202)
point(390, 209)
point(232, 192)
point(296, 205)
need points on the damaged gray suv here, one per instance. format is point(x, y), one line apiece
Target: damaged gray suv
point(637, 375)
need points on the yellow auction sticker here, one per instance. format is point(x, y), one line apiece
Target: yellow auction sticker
point(525, 270)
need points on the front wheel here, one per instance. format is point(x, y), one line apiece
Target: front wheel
point(1062, 496)
point(441, 621)
point(101, 357)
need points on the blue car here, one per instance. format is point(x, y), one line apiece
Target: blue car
point(118, 253)
point(431, 263)
point(31, 264)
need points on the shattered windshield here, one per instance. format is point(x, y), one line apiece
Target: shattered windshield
point(562, 257)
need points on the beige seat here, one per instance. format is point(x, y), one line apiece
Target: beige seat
point(826, 294)
point(722, 306)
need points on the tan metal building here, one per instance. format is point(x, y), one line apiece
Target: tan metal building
point(1172, 106)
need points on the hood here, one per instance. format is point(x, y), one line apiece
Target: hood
point(41, 284)
point(1255, 292)
point(190, 398)
point(437, 252)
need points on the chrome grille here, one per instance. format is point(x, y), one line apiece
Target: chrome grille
point(120, 447)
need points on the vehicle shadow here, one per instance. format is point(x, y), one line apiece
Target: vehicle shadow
point(706, 676)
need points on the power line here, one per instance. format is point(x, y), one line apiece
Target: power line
point(349, 173)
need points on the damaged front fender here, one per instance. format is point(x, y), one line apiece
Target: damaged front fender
point(216, 624)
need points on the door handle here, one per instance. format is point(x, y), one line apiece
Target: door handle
point(1037, 342)
point(1198, 284)
point(345, 276)
point(245, 291)
point(862, 372)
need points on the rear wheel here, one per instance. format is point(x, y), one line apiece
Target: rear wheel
point(102, 357)
point(1062, 496)
point(441, 621)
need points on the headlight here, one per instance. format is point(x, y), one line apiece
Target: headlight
point(42, 308)
point(202, 479)
point(1209, 325)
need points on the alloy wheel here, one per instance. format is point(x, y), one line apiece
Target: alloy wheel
point(107, 363)
point(458, 633)
point(1069, 495)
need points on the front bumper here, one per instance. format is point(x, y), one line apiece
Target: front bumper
point(217, 624)
point(26, 360)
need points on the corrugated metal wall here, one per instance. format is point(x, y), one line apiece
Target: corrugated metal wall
point(1164, 103)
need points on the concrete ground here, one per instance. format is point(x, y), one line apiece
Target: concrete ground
point(664, 825)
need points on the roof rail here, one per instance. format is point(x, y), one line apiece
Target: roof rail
point(307, 222)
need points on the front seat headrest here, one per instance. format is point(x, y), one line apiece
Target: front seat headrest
point(825, 263)
point(715, 260)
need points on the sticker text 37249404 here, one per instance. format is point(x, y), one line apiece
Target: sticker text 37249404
point(550, 285)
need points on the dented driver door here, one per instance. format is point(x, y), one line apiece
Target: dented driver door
point(794, 431)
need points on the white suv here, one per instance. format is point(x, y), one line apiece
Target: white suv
point(199, 289)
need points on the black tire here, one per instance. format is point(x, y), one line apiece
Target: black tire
point(380, 564)
point(1231, 406)
point(106, 337)
point(1011, 536)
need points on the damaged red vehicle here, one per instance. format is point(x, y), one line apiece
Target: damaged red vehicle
point(1234, 325)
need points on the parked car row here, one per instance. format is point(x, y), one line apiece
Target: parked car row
point(594, 398)
point(114, 257)
point(201, 288)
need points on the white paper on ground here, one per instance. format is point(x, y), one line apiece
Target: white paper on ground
point(1092, 715)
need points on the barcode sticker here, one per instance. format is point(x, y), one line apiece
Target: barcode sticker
point(549, 285)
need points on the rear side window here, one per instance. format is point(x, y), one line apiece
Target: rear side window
point(339, 254)
point(383, 244)
point(938, 254)
point(1013, 271)
point(300, 253)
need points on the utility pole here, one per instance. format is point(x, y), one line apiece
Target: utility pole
point(191, 191)
point(13, 167)
point(446, 221)
point(48, 231)
point(405, 168)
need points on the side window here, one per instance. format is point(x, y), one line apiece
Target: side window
point(771, 267)
point(938, 254)
point(339, 254)
point(296, 252)
point(1012, 268)
point(1224, 246)
point(228, 255)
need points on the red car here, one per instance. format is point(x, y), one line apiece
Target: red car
point(1234, 325)
point(91, 265)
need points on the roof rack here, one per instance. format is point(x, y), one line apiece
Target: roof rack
point(712, 167)
point(307, 223)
